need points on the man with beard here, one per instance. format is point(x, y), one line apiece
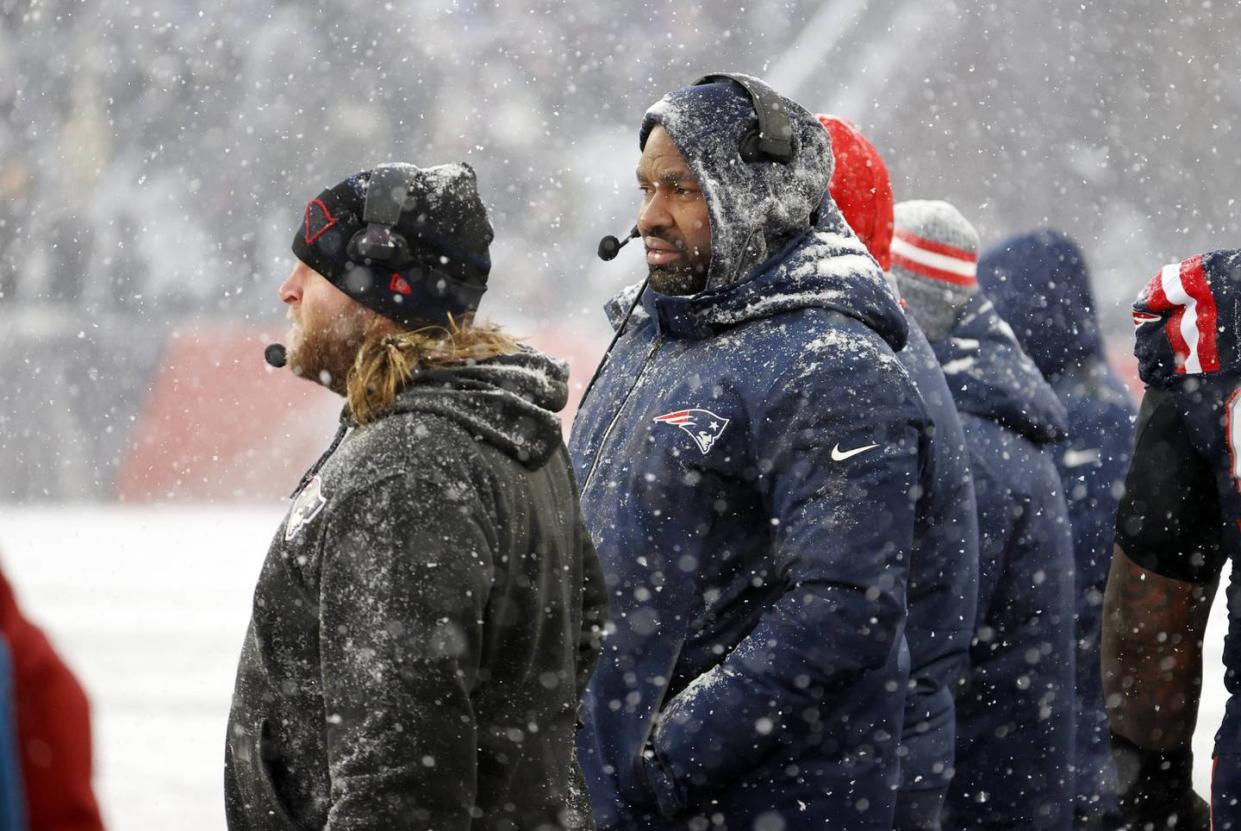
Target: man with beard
point(429, 610)
point(747, 458)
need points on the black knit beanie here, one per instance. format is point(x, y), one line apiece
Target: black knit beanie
point(437, 262)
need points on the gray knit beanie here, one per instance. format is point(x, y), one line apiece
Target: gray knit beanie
point(935, 261)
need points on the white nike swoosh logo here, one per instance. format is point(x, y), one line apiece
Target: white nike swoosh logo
point(1077, 458)
point(839, 456)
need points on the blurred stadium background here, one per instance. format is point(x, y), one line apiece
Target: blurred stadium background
point(155, 157)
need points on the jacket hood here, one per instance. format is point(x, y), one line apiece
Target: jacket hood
point(826, 268)
point(862, 187)
point(990, 377)
point(755, 208)
point(1040, 284)
point(511, 401)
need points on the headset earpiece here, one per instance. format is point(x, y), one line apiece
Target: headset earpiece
point(773, 140)
point(378, 242)
point(749, 149)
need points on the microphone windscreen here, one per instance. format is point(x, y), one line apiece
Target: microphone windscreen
point(275, 355)
point(609, 247)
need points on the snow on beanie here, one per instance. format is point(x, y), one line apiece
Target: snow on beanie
point(442, 271)
point(935, 262)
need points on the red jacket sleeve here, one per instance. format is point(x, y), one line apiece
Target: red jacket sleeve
point(53, 727)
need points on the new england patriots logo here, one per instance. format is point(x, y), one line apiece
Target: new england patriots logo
point(703, 426)
point(305, 507)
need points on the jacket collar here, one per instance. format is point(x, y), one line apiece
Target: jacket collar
point(824, 268)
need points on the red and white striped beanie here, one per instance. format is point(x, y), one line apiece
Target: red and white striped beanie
point(934, 261)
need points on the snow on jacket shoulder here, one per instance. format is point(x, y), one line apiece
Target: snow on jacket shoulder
point(425, 621)
point(1040, 284)
point(748, 458)
point(1015, 715)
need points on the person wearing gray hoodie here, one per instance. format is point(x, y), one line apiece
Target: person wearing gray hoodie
point(430, 609)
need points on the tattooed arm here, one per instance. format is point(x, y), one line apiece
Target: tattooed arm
point(1152, 678)
point(1152, 654)
point(1165, 569)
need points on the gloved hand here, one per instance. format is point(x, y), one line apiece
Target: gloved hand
point(1156, 789)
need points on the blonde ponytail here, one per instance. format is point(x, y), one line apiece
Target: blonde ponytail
point(388, 356)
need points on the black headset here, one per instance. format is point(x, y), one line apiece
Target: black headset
point(389, 187)
point(773, 139)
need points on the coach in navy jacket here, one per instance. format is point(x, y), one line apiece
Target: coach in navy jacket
point(1040, 286)
point(748, 461)
point(1015, 714)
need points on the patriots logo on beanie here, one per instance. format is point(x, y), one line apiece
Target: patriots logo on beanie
point(318, 221)
point(443, 237)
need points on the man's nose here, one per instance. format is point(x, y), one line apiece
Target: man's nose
point(291, 289)
point(654, 216)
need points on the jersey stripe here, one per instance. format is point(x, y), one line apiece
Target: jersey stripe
point(1232, 434)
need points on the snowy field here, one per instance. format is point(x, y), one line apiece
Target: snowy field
point(149, 606)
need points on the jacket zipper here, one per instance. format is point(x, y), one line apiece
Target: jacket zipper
point(590, 474)
point(341, 432)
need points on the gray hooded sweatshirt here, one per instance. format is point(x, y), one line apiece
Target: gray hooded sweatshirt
point(425, 621)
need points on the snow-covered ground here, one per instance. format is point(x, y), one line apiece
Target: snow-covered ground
point(149, 606)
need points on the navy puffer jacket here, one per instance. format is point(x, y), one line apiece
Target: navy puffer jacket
point(1015, 714)
point(748, 460)
point(1040, 284)
point(943, 591)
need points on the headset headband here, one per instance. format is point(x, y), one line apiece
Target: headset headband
point(378, 241)
point(775, 128)
point(389, 187)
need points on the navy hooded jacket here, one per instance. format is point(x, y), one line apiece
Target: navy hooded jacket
point(1040, 285)
point(942, 593)
point(748, 461)
point(1015, 714)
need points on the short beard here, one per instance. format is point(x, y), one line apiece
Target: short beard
point(677, 279)
point(327, 355)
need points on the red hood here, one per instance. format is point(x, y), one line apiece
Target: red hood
point(861, 187)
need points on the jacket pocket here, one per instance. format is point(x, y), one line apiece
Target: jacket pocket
point(267, 752)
